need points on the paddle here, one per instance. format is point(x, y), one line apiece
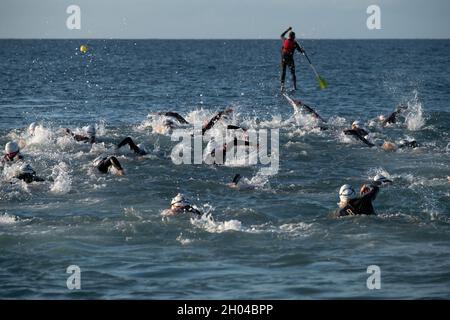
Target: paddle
point(320, 80)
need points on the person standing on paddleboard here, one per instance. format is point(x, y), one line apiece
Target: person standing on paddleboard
point(287, 56)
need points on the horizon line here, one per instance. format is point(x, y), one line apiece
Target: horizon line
point(215, 39)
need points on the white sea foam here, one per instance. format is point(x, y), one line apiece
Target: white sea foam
point(414, 114)
point(62, 182)
point(7, 219)
point(208, 223)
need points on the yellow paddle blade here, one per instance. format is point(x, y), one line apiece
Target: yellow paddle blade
point(322, 82)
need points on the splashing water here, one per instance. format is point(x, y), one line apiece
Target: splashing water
point(208, 223)
point(414, 116)
point(62, 181)
point(8, 219)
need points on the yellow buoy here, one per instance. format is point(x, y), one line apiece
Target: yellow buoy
point(83, 48)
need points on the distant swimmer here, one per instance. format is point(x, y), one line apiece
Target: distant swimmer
point(174, 119)
point(287, 56)
point(138, 149)
point(105, 164)
point(89, 137)
point(392, 118)
point(351, 204)
point(12, 152)
point(27, 174)
point(402, 144)
point(359, 132)
point(180, 204)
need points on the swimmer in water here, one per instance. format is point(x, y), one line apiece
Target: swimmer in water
point(169, 124)
point(12, 153)
point(234, 184)
point(32, 129)
point(180, 204)
point(392, 118)
point(138, 149)
point(359, 132)
point(27, 174)
point(308, 109)
point(104, 164)
point(402, 144)
point(351, 204)
point(88, 138)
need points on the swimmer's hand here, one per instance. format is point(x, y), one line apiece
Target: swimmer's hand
point(120, 172)
point(364, 189)
point(168, 213)
point(232, 185)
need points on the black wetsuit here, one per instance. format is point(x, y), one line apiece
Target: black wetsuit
point(236, 178)
point(190, 209)
point(310, 110)
point(29, 177)
point(132, 146)
point(175, 115)
point(408, 144)
point(392, 118)
point(227, 146)
point(206, 127)
point(105, 163)
point(81, 138)
point(359, 133)
point(360, 205)
point(214, 120)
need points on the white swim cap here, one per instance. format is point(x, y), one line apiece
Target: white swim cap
point(356, 124)
point(179, 199)
point(141, 146)
point(347, 192)
point(11, 147)
point(26, 168)
point(381, 117)
point(380, 179)
point(97, 160)
point(32, 127)
point(90, 130)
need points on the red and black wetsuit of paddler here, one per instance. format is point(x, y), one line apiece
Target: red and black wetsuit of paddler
point(287, 56)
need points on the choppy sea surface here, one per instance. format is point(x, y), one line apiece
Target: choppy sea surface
point(270, 239)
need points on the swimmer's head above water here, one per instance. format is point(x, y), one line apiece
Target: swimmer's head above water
point(179, 201)
point(32, 128)
point(90, 131)
point(180, 204)
point(356, 124)
point(12, 151)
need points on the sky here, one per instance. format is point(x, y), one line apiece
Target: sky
point(224, 19)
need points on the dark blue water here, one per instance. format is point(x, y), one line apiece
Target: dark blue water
point(273, 239)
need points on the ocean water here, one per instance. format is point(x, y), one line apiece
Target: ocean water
point(272, 238)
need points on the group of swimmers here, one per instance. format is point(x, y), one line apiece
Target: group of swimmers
point(350, 202)
point(110, 163)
